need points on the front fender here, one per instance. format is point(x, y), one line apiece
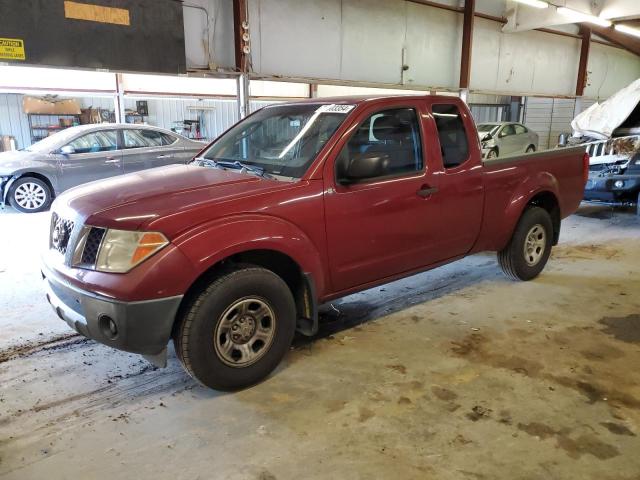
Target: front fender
point(208, 244)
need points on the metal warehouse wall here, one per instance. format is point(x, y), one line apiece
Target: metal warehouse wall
point(370, 40)
point(217, 115)
point(549, 117)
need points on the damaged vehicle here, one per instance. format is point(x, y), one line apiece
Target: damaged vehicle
point(611, 133)
point(506, 138)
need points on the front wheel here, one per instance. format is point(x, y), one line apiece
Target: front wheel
point(530, 246)
point(493, 153)
point(30, 195)
point(236, 331)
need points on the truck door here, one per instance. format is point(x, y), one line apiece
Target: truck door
point(387, 223)
point(460, 181)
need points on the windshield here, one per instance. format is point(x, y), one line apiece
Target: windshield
point(281, 140)
point(53, 142)
point(486, 127)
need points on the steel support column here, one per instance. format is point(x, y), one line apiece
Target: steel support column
point(467, 40)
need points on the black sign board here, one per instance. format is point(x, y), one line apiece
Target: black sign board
point(119, 35)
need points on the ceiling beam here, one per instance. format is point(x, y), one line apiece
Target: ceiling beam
point(584, 61)
point(625, 41)
point(467, 43)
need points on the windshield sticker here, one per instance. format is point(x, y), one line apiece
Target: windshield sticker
point(333, 108)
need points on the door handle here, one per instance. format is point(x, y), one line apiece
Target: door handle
point(164, 156)
point(426, 191)
point(112, 160)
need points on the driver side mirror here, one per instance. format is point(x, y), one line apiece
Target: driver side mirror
point(67, 150)
point(361, 166)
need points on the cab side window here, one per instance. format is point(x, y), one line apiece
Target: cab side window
point(393, 135)
point(95, 142)
point(454, 144)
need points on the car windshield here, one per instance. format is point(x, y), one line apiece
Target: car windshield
point(486, 127)
point(279, 140)
point(53, 142)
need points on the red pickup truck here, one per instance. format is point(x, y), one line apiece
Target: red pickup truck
point(296, 205)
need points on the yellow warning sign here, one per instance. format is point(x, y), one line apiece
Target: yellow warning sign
point(11, 49)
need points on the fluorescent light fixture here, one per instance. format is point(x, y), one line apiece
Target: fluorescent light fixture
point(534, 3)
point(583, 17)
point(628, 30)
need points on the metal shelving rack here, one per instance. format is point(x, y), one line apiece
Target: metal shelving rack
point(36, 130)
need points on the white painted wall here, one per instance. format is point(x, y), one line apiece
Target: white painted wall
point(364, 40)
point(209, 45)
point(609, 70)
point(524, 62)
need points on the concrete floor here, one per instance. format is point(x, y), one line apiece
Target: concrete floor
point(457, 373)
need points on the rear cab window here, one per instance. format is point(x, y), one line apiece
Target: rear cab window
point(452, 134)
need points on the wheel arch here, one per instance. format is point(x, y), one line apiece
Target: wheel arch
point(20, 175)
point(549, 202)
point(300, 283)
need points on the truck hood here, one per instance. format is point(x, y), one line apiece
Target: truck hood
point(20, 160)
point(137, 199)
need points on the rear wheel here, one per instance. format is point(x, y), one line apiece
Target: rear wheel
point(30, 195)
point(530, 246)
point(237, 330)
point(530, 149)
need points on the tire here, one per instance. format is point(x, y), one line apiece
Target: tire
point(215, 344)
point(536, 227)
point(638, 205)
point(493, 153)
point(530, 149)
point(30, 195)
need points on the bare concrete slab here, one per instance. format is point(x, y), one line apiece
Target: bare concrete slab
point(457, 373)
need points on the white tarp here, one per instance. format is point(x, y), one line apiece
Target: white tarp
point(601, 119)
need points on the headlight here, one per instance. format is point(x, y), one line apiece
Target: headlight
point(121, 250)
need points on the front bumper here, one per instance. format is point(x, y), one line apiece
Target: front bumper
point(142, 327)
point(604, 188)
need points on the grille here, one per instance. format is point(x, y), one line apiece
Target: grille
point(92, 245)
point(60, 233)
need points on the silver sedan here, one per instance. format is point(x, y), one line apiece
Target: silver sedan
point(31, 178)
point(506, 138)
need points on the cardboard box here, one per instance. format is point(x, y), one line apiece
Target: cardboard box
point(47, 107)
point(7, 143)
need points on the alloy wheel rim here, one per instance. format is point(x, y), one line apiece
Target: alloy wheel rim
point(534, 244)
point(244, 332)
point(30, 196)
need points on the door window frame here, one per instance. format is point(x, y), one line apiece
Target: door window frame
point(366, 115)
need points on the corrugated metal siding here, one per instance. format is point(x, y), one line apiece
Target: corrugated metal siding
point(13, 121)
point(215, 115)
point(489, 113)
point(549, 117)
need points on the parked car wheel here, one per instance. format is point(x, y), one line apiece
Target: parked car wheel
point(638, 205)
point(530, 149)
point(492, 153)
point(30, 195)
point(237, 330)
point(530, 246)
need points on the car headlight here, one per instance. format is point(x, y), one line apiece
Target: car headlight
point(121, 250)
